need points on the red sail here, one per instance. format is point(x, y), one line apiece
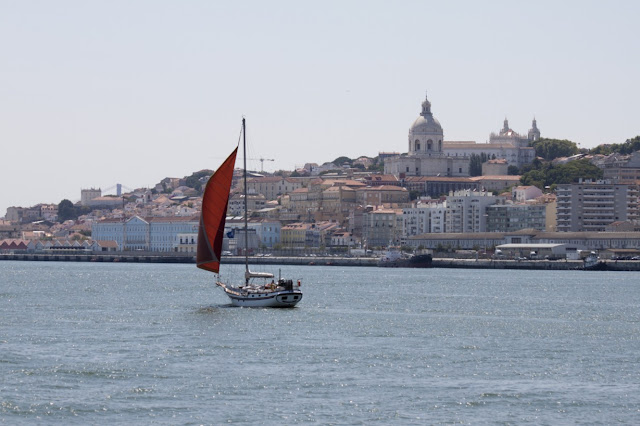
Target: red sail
point(214, 212)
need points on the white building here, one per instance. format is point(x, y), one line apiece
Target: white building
point(525, 192)
point(506, 144)
point(426, 156)
point(150, 234)
point(424, 219)
point(254, 203)
point(466, 211)
point(592, 206)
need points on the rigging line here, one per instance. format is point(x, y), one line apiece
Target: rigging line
point(240, 135)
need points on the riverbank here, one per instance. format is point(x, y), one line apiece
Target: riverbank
point(146, 257)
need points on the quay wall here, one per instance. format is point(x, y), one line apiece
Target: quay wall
point(558, 265)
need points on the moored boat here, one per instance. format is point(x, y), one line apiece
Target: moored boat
point(396, 259)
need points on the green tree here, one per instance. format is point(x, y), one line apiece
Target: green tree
point(550, 149)
point(413, 195)
point(66, 211)
point(193, 181)
point(475, 163)
point(629, 146)
point(547, 174)
point(342, 160)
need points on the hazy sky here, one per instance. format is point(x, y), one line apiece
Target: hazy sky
point(94, 93)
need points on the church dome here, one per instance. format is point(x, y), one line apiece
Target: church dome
point(426, 123)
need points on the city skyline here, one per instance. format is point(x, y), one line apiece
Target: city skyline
point(96, 94)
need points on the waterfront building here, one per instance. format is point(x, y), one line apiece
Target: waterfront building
point(456, 241)
point(591, 206)
point(268, 231)
point(344, 239)
point(186, 242)
point(149, 234)
point(593, 241)
point(294, 234)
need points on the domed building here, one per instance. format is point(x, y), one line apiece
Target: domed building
point(425, 156)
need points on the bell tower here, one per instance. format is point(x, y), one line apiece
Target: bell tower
point(534, 132)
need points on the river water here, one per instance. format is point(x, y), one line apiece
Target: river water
point(93, 343)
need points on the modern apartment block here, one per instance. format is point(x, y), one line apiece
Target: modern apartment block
point(514, 217)
point(591, 206)
point(466, 211)
point(424, 219)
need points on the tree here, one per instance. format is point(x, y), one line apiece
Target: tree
point(193, 181)
point(546, 174)
point(413, 195)
point(342, 160)
point(475, 163)
point(550, 149)
point(629, 146)
point(66, 211)
point(513, 170)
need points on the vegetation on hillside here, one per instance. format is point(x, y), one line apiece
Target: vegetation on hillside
point(625, 148)
point(193, 181)
point(550, 149)
point(545, 174)
point(69, 211)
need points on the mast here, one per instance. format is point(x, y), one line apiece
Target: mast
point(246, 226)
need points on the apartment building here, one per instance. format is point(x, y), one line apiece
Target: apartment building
point(590, 206)
point(381, 228)
point(513, 217)
point(424, 218)
point(466, 211)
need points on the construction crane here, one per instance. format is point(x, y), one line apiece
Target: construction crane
point(262, 160)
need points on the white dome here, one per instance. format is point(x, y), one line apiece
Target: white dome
point(426, 125)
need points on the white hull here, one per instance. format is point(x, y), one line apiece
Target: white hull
point(261, 298)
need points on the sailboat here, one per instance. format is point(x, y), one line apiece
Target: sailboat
point(256, 291)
